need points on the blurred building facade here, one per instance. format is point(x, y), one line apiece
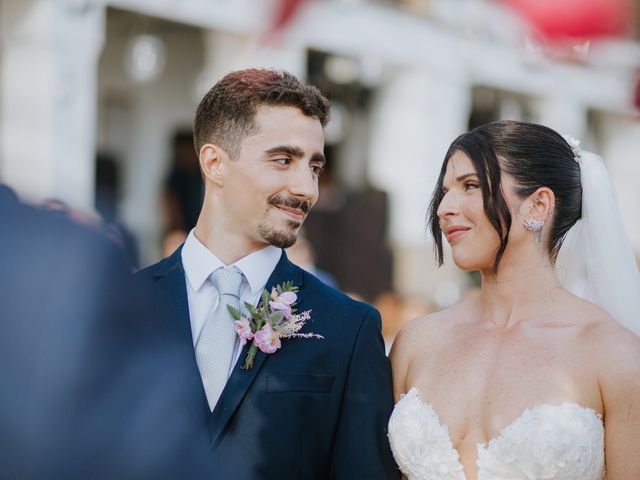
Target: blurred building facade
point(82, 78)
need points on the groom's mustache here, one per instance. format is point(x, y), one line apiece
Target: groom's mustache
point(280, 200)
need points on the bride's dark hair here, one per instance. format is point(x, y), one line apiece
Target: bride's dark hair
point(535, 156)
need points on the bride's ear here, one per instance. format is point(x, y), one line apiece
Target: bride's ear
point(540, 204)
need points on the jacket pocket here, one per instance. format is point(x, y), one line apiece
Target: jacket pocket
point(299, 383)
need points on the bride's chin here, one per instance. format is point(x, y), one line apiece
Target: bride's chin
point(469, 264)
point(464, 265)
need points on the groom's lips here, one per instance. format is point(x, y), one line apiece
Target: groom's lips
point(455, 231)
point(294, 212)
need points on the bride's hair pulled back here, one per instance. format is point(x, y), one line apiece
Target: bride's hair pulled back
point(535, 156)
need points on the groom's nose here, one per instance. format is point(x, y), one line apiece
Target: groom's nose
point(303, 183)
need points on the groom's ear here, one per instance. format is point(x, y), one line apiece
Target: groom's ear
point(211, 158)
point(541, 204)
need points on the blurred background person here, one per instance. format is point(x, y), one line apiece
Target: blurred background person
point(172, 240)
point(301, 253)
point(184, 188)
point(107, 195)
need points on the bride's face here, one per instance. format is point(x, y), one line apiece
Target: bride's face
point(474, 242)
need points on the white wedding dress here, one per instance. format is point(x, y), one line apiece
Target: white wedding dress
point(546, 442)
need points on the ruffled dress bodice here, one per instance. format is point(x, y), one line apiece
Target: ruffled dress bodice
point(546, 442)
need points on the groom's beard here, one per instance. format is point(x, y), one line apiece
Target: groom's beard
point(284, 237)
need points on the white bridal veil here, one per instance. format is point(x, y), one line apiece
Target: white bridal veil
point(596, 261)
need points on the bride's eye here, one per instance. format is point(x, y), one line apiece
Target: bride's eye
point(470, 185)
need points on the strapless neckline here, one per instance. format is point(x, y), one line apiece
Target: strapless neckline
point(448, 463)
point(487, 444)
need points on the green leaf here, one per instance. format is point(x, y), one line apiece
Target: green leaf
point(235, 313)
point(276, 317)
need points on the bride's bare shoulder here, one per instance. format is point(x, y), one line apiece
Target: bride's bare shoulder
point(599, 327)
point(418, 335)
point(614, 349)
point(422, 331)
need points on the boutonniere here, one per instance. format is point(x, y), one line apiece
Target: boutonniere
point(273, 319)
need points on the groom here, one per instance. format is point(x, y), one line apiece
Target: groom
point(315, 408)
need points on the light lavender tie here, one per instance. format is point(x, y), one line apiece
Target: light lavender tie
point(216, 345)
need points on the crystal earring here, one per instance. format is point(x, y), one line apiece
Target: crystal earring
point(533, 225)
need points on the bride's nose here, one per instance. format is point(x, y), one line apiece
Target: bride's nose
point(448, 206)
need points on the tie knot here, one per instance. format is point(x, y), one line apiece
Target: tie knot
point(228, 281)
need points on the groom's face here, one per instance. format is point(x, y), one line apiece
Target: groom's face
point(271, 186)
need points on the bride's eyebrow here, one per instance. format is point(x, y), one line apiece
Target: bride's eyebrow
point(465, 176)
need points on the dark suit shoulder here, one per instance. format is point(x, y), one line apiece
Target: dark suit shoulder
point(317, 286)
point(161, 268)
point(336, 304)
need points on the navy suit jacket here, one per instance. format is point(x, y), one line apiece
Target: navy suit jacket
point(315, 409)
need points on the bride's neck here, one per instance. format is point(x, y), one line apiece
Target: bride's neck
point(518, 291)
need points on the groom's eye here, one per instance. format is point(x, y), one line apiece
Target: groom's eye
point(282, 161)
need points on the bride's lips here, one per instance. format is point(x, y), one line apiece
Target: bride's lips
point(454, 232)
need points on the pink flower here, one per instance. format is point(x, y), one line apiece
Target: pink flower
point(243, 329)
point(266, 339)
point(288, 298)
point(283, 302)
point(283, 307)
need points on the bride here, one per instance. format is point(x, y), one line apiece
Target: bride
point(523, 380)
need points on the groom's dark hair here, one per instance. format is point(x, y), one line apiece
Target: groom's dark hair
point(535, 156)
point(226, 114)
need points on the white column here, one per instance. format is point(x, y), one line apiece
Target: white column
point(415, 118)
point(228, 51)
point(565, 115)
point(621, 142)
point(48, 83)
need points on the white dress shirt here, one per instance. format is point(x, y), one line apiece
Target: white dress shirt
point(199, 262)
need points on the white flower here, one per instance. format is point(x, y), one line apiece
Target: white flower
point(575, 146)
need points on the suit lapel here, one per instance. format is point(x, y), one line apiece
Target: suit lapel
point(172, 311)
point(240, 380)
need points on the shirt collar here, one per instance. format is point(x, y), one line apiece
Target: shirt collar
point(199, 262)
point(258, 266)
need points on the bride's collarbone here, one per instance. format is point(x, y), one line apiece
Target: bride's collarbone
point(477, 386)
point(489, 363)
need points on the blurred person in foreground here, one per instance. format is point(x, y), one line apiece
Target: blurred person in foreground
point(306, 393)
point(523, 379)
point(83, 391)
